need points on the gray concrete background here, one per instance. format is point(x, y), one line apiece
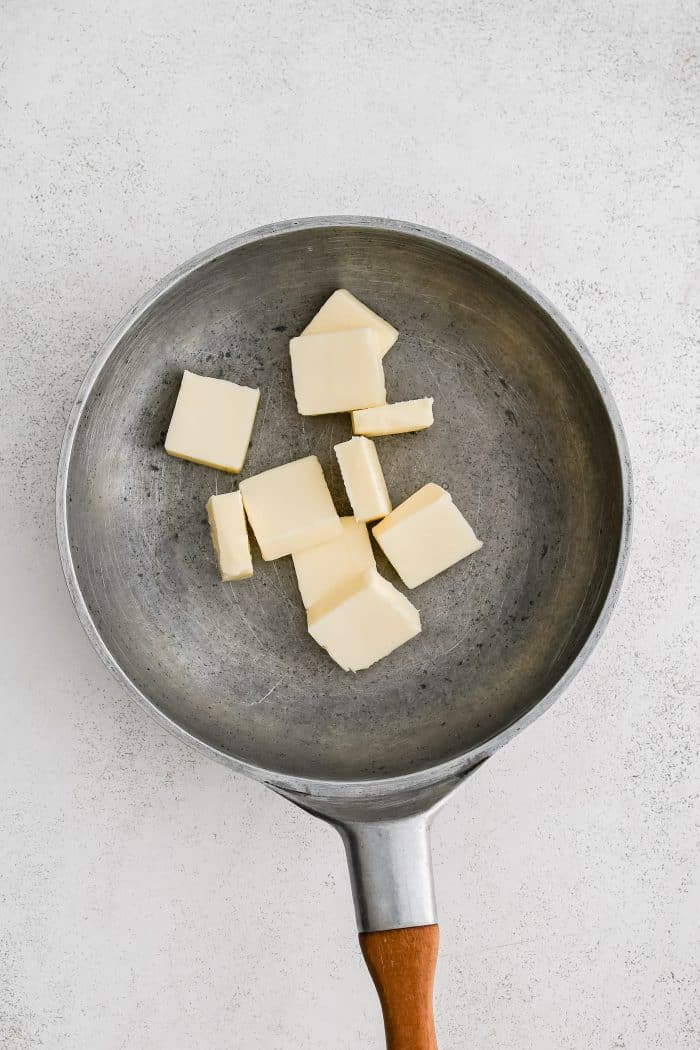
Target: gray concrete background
point(151, 900)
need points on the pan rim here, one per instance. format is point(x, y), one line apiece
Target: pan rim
point(338, 787)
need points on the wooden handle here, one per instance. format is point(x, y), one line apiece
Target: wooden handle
point(402, 965)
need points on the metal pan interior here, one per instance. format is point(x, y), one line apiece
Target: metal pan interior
point(522, 440)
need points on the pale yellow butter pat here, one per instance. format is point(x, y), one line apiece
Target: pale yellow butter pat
point(229, 534)
point(403, 417)
point(290, 508)
point(336, 372)
point(363, 478)
point(362, 621)
point(321, 570)
point(425, 535)
point(343, 312)
point(212, 422)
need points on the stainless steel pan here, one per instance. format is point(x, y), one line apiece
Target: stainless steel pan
point(526, 438)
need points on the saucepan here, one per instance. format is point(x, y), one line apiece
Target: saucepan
point(529, 443)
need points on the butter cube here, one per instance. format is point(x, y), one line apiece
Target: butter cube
point(212, 422)
point(403, 417)
point(343, 312)
point(323, 569)
point(425, 535)
point(290, 508)
point(337, 372)
point(363, 478)
point(229, 534)
point(363, 621)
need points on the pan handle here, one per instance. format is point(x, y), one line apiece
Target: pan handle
point(392, 884)
point(387, 841)
point(402, 965)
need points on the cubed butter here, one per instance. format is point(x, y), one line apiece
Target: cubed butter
point(403, 417)
point(321, 570)
point(229, 534)
point(212, 422)
point(337, 372)
point(363, 478)
point(343, 312)
point(290, 508)
point(425, 535)
point(362, 621)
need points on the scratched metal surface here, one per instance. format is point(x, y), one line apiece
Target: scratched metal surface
point(522, 440)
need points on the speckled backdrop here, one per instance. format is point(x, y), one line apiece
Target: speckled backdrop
point(151, 900)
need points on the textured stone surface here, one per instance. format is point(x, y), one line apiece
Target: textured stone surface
point(149, 899)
